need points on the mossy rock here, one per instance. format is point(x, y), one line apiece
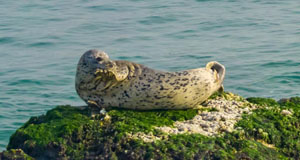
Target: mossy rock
point(15, 154)
point(67, 132)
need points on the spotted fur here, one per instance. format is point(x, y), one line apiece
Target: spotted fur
point(129, 85)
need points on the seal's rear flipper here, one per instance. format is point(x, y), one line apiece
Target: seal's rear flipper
point(218, 68)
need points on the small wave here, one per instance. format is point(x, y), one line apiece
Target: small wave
point(25, 82)
point(183, 34)
point(247, 89)
point(17, 124)
point(122, 40)
point(132, 57)
point(205, 0)
point(281, 63)
point(156, 20)
point(102, 8)
point(294, 78)
point(33, 82)
point(196, 56)
point(4, 40)
point(55, 19)
point(5, 104)
point(41, 44)
point(270, 51)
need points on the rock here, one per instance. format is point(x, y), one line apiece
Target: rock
point(16, 154)
point(223, 128)
point(286, 112)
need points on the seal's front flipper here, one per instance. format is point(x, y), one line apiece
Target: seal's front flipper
point(94, 108)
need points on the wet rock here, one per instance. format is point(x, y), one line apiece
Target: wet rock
point(223, 128)
point(229, 110)
point(286, 112)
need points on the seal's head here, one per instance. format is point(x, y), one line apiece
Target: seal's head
point(95, 67)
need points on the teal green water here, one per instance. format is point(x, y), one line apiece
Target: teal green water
point(41, 41)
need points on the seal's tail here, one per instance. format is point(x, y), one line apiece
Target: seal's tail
point(217, 67)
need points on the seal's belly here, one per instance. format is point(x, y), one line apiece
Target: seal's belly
point(177, 90)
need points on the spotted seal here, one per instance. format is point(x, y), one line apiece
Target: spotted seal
point(124, 84)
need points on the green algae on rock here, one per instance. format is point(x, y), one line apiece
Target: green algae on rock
point(269, 125)
point(16, 154)
point(69, 132)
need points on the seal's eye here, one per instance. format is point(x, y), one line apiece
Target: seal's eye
point(99, 59)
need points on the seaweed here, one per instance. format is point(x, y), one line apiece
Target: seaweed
point(16, 154)
point(69, 132)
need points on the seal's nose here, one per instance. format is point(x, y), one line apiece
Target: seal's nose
point(99, 59)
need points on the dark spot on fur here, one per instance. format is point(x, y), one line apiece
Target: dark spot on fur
point(185, 79)
point(147, 85)
point(184, 84)
point(126, 94)
point(161, 87)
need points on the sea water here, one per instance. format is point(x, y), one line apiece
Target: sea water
point(41, 42)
